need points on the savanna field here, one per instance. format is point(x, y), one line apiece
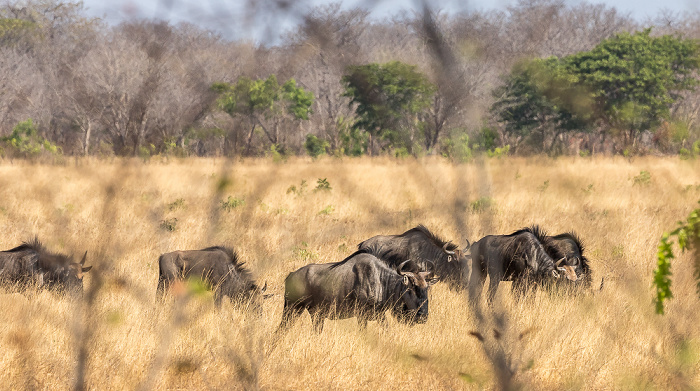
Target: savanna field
point(280, 216)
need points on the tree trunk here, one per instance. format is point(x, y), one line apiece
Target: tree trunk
point(86, 143)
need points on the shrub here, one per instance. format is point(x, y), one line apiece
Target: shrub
point(322, 184)
point(315, 146)
point(231, 203)
point(26, 142)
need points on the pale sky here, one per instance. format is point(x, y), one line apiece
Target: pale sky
point(234, 18)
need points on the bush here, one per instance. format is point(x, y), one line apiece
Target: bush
point(315, 146)
point(26, 142)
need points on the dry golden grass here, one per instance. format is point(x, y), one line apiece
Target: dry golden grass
point(118, 211)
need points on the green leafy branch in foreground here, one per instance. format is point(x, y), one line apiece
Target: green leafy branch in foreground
point(688, 234)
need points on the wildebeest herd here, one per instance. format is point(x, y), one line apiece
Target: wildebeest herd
point(387, 273)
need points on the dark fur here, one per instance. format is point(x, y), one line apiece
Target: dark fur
point(519, 257)
point(360, 285)
point(31, 263)
point(568, 246)
point(217, 266)
point(419, 245)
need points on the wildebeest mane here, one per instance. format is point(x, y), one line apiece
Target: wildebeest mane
point(233, 258)
point(439, 242)
point(46, 259)
point(394, 254)
point(547, 255)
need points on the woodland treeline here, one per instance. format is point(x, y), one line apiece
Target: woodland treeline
point(538, 77)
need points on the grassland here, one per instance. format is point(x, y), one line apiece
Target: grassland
point(126, 213)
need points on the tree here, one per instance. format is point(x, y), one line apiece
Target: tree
point(635, 78)
point(388, 98)
point(624, 86)
point(265, 103)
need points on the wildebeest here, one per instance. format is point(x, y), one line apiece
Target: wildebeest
point(31, 263)
point(568, 246)
point(216, 266)
point(420, 245)
point(362, 286)
point(519, 257)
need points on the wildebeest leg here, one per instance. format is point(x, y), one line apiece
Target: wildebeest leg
point(381, 319)
point(290, 314)
point(494, 279)
point(163, 286)
point(477, 277)
point(519, 289)
point(317, 321)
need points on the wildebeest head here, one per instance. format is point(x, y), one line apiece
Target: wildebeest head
point(56, 271)
point(412, 305)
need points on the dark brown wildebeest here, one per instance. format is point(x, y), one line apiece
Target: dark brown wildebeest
point(519, 257)
point(360, 286)
point(420, 245)
point(216, 266)
point(30, 263)
point(568, 246)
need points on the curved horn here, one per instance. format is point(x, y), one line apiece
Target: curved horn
point(448, 252)
point(468, 246)
point(559, 262)
point(400, 268)
point(84, 257)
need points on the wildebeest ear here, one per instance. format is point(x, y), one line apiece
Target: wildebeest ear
point(87, 269)
point(555, 274)
point(405, 280)
point(84, 258)
point(433, 281)
point(449, 258)
point(267, 296)
point(264, 288)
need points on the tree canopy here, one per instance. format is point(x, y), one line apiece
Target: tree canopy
point(625, 85)
point(387, 99)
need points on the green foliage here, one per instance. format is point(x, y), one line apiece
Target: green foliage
point(169, 225)
point(18, 32)
point(327, 210)
point(688, 235)
point(644, 178)
point(25, 141)
point(691, 153)
point(177, 204)
point(277, 153)
point(499, 152)
point(481, 204)
point(315, 146)
point(232, 203)
point(457, 148)
point(323, 185)
point(543, 187)
point(265, 97)
point(354, 141)
point(298, 191)
point(625, 84)
point(303, 253)
point(388, 98)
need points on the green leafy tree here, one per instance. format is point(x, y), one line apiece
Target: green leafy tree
point(541, 98)
point(265, 104)
point(388, 99)
point(623, 86)
point(635, 78)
